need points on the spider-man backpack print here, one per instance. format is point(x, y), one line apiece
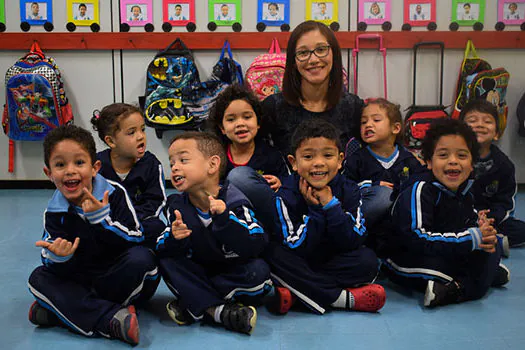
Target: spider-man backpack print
point(36, 101)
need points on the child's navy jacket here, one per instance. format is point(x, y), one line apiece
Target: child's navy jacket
point(314, 231)
point(365, 168)
point(431, 220)
point(104, 234)
point(495, 185)
point(144, 183)
point(266, 160)
point(233, 234)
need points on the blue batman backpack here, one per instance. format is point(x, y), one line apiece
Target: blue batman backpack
point(168, 74)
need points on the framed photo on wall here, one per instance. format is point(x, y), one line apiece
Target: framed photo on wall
point(179, 12)
point(466, 13)
point(322, 11)
point(511, 12)
point(419, 13)
point(36, 12)
point(2, 11)
point(82, 12)
point(273, 13)
point(136, 12)
point(374, 12)
point(225, 12)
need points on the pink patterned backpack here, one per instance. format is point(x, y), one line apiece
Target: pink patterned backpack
point(265, 75)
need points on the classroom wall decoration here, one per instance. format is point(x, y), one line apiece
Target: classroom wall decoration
point(466, 13)
point(322, 11)
point(273, 13)
point(136, 12)
point(2, 11)
point(224, 12)
point(82, 12)
point(419, 13)
point(511, 12)
point(374, 12)
point(179, 12)
point(36, 12)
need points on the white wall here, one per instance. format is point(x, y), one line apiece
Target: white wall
point(90, 75)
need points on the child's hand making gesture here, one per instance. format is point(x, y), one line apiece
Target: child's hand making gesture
point(489, 239)
point(91, 204)
point(315, 196)
point(179, 230)
point(60, 246)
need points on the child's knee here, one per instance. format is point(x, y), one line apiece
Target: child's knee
point(141, 258)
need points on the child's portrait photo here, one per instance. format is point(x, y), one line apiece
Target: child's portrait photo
point(83, 11)
point(322, 11)
point(513, 10)
point(420, 12)
point(273, 11)
point(179, 12)
point(137, 12)
point(224, 12)
point(36, 11)
point(375, 10)
point(467, 11)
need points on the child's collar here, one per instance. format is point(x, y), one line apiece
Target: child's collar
point(462, 189)
point(58, 203)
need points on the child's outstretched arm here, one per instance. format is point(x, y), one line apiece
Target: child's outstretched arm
point(414, 215)
point(237, 227)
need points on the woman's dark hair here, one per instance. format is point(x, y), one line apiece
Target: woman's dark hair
point(445, 127)
point(106, 121)
point(225, 98)
point(292, 78)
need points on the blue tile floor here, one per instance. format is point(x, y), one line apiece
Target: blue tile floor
point(493, 322)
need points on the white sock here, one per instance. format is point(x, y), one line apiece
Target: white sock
point(217, 313)
point(344, 301)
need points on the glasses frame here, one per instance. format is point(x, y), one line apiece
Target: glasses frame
point(313, 52)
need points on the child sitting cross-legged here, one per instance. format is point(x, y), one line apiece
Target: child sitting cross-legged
point(440, 243)
point(494, 187)
point(318, 254)
point(94, 268)
point(208, 253)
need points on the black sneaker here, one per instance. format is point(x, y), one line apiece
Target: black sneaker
point(177, 314)
point(239, 318)
point(438, 294)
point(125, 325)
point(502, 276)
point(40, 316)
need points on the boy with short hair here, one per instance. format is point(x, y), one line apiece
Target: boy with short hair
point(439, 241)
point(93, 267)
point(495, 186)
point(318, 255)
point(208, 253)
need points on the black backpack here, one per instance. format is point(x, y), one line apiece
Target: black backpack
point(520, 113)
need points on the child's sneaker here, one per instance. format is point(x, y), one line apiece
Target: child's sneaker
point(125, 325)
point(504, 245)
point(40, 316)
point(177, 314)
point(438, 294)
point(369, 298)
point(281, 301)
point(502, 276)
point(239, 318)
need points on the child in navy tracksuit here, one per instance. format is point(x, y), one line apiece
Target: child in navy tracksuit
point(208, 254)
point(253, 166)
point(381, 167)
point(495, 183)
point(94, 267)
point(121, 127)
point(440, 242)
point(318, 253)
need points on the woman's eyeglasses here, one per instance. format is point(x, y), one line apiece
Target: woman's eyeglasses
point(319, 51)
